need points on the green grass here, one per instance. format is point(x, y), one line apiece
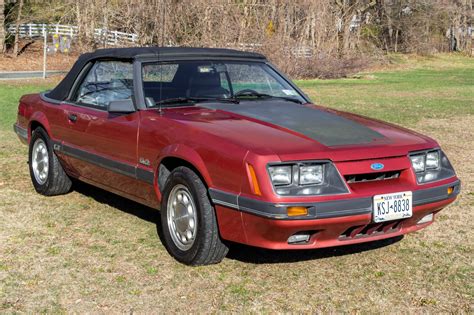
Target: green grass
point(438, 87)
point(10, 94)
point(94, 252)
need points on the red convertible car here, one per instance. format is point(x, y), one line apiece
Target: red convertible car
point(229, 149)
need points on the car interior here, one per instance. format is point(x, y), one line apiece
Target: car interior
point(188, 81)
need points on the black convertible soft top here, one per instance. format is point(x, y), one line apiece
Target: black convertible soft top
point(61, 91)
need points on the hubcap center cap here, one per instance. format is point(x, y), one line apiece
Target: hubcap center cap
point(181, 219)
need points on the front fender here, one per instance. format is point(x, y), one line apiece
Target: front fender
point(189, 155)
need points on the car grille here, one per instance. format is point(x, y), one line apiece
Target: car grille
point(359, 178)
point(372, 229)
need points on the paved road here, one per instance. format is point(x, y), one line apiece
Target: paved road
point(15, 75)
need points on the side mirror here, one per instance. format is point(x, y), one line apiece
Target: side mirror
point(121, 106)
point(150, 102)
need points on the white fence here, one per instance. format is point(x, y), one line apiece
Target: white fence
point(111, 38)
point(115, 38)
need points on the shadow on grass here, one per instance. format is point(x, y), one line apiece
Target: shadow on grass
point(243, 253)
point(256, 255)
point(121, 203)
point(116, 201)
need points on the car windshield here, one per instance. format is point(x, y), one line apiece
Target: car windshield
point(181, 82)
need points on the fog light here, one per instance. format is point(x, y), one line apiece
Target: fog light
point(298, 239)
point(296, 211)
point(427, 218)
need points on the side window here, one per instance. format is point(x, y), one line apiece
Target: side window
point(106, 81)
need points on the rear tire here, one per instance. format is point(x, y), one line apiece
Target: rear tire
point(46, 172)
point(188, 220)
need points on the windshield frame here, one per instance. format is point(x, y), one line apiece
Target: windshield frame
point(139, 63)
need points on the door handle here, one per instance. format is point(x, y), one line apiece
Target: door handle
point(72, 117)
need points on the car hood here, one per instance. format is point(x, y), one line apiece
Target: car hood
point(294, 131)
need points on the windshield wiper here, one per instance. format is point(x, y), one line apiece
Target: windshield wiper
point(229, 100)
point(177, 100)
point(290, 99)
point(263, 95)
point(236, 99)
point(187, 100)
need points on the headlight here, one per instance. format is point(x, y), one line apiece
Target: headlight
point(311, 174)
point(418, 162)
point(431, 165)
point(306, 178)
point(280, 175)
point(432, 160)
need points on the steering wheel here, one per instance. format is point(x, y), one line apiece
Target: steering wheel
point(246, 92)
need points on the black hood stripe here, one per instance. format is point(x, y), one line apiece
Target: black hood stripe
point(326, 128)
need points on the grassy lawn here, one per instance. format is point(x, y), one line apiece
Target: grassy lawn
point(10, 93)
point(437, 87)
point(92, 251)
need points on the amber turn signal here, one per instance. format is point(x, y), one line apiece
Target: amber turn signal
point(450, 190)
point(296, 211)
point(253, 180)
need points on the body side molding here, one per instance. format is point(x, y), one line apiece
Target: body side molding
point(112, 165)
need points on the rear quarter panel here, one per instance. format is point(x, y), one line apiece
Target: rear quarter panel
point(38, 111)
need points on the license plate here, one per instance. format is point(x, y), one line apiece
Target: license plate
point(394, 206)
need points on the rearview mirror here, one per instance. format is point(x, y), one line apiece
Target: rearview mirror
point(121, 106)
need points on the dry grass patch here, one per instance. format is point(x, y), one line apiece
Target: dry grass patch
point(94, 251)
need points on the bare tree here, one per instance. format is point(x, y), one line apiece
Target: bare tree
point(332, 35)
point(470, 25)
point(2, 26)
point(17, 28)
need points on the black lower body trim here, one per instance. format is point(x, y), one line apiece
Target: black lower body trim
point(21, 132)
point(325, 209)
point(317, 210)
point(112, 165)
point(439, 193)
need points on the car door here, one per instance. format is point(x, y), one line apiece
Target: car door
point(102, 146)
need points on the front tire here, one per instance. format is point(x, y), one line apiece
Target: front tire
point(188, 220)
point(47, 175)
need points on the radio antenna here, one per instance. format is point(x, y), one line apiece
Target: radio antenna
point(162, 20)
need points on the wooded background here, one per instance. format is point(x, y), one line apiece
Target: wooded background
point(318, 38)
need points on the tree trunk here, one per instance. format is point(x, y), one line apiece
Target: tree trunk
point(340, 28)
point(2, 26)
point(17, 29)
point(396, 41)
point(469, 13)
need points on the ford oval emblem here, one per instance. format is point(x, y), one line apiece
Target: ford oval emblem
point(377, 166)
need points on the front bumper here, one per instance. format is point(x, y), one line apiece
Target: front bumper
point(330, 223)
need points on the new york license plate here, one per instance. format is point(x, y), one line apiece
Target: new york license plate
point(394, 206)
